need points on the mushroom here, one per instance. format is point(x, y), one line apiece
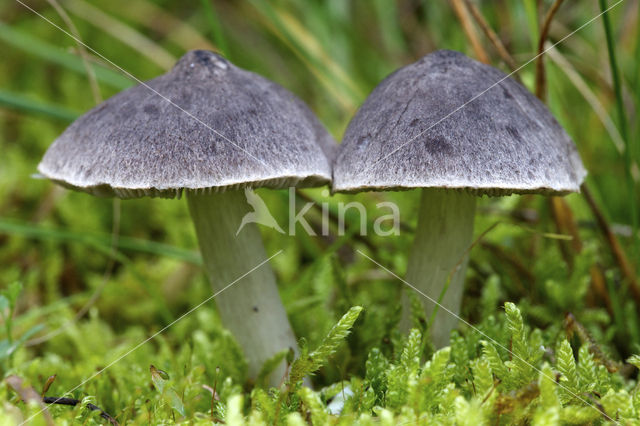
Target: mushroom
point(458, 129)
point(210, 129)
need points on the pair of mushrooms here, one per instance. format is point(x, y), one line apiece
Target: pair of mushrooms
point(211, 129)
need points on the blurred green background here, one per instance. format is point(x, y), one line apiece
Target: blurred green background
point(113, 272)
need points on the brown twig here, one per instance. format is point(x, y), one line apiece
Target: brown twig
point(73, 402)
point(470, 31)
point(493, 38)
point(541, 79)
point(618, 252)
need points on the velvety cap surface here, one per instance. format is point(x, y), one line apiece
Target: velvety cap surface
point(205, 125)
point(449, 121)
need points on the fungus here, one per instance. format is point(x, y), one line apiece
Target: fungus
point(458, 129)
point(211, 130)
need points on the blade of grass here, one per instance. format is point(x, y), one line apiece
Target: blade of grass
point(387, 13)
point(622, 122)
point(103, 242)
point(636, 73)
point(106, 276)
point(31, 106)
point(319, 61)
point(151, 16)
point(122, 32)
point(531, 12)
point(50, 53)
point(578, 82)
point(635, 84)
point(216, 28)
point(84, 55)
point(618, 311)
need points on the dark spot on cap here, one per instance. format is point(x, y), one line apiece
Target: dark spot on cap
point(505, 92)
point(127, 110)
point(514, 133)
point(438, 146)
point(255, 309)
point(150, 109)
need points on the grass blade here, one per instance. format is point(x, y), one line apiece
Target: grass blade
point(124, 33)
point(583, 88)
point(216, 29)
point(622, 122)
point(319, 61)
point(387, 14)
point(58, 56)
point(531, 11)
point(103, 242)
point(32, 106)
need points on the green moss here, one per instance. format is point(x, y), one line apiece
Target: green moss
point(97, 277)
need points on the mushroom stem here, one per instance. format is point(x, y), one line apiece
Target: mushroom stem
point(444, 233)
point(250, 308)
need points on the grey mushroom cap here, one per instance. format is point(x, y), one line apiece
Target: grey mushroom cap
point(206, 125)
point(447, 121)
